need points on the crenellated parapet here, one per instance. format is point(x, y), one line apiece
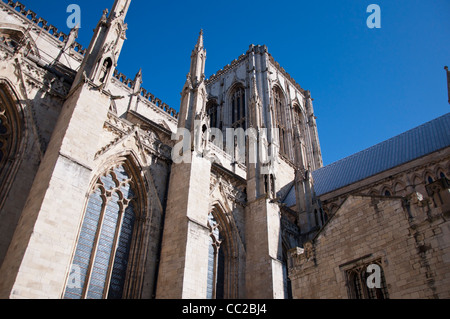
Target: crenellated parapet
point(43, 24)
point(161, 105)
point(286, 75)
point(225, 69)
point(145, 95)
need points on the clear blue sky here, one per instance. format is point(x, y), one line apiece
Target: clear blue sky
point(368, 84)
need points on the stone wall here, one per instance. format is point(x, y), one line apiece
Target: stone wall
point(409, 237)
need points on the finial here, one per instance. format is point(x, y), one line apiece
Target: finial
point(139, 74)
point(200, 40)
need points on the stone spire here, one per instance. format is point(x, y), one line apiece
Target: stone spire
point(193, 96)
point(73, 35)
point(198, 58)
point(138, 81)
point(120, 9)
point(105, 47)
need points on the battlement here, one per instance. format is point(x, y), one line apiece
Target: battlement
point(225, 69)
point(41, 23)
point(258, 49)
point(286, 75)
point(147, 96)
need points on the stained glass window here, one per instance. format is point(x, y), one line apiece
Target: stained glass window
point(105, 238)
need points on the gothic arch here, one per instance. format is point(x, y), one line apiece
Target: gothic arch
point(13, 135)
point(280, 102)
point(105, 67)
point(399, 188)
point(439, 172)
point(213, 111)
point(284, 100)
point(135, 165)
point(416, 180)
point(115, 216)
point(428, 177)
point(230, 250)
point(237, 105)
point(386, 191)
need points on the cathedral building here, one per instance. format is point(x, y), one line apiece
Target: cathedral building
point(107, 192)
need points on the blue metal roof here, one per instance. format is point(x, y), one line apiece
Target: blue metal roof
point(417, 142)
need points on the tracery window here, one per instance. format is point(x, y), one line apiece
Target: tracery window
point(11, 123)
point(280, 110)
point(216, 259)
point(357, 283)
point(238, 111)
point(104, 241)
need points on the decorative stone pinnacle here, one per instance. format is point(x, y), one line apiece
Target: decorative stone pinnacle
point(200, 40)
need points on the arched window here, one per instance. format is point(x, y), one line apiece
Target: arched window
point(430, 179)
point(441, 174)
point(223, 275)
point(212, 109)
point(11, 124)
point(280, 111)
point(103, 246)
point(104, 70)
point(215, 284)
point(358, 277)
point(238, 108)
point(298, 118)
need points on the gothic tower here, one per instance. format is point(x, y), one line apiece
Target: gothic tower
point(255, 94)
point(49, 224)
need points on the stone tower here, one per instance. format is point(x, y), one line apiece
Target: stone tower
point(280, 141)
point(41, 239)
